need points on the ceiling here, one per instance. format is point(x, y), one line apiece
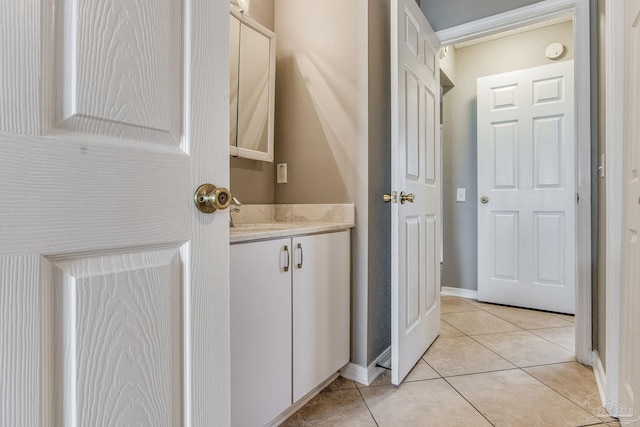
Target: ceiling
point(444, 14)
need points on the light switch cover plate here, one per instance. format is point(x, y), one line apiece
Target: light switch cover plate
point(461, 195)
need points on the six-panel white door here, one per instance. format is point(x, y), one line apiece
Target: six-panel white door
point(113, 288)
point(415, 169)
point(628, 406)
point(526, 188)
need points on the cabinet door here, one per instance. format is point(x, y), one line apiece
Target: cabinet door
point(321, 293)
point(260, 332)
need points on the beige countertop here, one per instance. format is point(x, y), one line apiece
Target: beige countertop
point(260, 222)
point(272, 230)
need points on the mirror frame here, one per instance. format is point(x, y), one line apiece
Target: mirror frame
point(237, 151)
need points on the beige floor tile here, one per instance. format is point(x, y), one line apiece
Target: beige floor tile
point(575, 382)
point(530, 319)
point(448, 331)
point(422, 371)
point(478, 322)
point(525, 349)
point(483, 305)
point(463, 355)
point(337, 408)
point(421, 403)
point(565, 337)
point(340, 383)
point(513, 398)
point(567, 317)
point(455, 305)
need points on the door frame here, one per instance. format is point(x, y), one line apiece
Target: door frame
point(614, 162)
point(532, 14)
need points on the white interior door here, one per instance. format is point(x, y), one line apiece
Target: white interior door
point(526, 188)
point(628, 407)
point(113, 288)
point(415, 163)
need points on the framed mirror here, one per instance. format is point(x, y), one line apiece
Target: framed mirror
point(252, 88)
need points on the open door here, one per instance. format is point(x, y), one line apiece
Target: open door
point(415, 209)
point(526, 180)
point(114, 288)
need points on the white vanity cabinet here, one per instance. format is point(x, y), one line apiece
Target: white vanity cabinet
point(260, 332)
point(290, 322)
point(321, 321)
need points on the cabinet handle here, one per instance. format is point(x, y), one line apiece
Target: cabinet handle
point(301, 255)
point(286, 258)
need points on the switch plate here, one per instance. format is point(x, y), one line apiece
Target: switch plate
point(461, 195)
point(281, 173)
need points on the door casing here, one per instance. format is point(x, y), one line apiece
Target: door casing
point(527, 15)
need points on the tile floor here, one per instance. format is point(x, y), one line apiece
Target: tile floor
point(491, 366)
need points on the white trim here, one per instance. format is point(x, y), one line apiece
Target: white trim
point(459, 292)
point(583, 280)
point(528, 15)
point(300, 403)
point(614, 155)
point(506, 21)
point(601, 378)
point(367, 375)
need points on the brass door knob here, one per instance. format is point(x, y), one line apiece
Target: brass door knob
point(406, 197)
point(484, 200)
point(209, 198)
point(387, 198)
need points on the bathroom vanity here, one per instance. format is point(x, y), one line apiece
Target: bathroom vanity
point(290, 314)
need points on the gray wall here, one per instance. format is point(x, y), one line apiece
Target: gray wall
point(252, 181)
point(379, 278)
point(459, 146)
point(447, 14)
point(600, 300)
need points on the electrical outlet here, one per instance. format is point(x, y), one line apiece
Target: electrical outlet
point(461, 195)
point(281, 173)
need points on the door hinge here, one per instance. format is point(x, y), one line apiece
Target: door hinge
point(577, 198)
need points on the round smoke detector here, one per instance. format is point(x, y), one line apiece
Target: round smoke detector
point(554, 50)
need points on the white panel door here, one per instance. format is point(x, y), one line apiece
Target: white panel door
point(526, 188)
point(630, 286)
point(415, 169)
point(113, 288)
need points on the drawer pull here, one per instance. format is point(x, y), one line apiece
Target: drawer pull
point(286, 258)
point(301, 255)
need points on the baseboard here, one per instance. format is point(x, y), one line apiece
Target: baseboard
point(601, 379)
point(459, 292)
point(367, 375)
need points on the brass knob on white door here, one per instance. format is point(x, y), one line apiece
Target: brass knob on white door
point(484, 200)
point(387, 198)
point(209, 198)
point(406, 197)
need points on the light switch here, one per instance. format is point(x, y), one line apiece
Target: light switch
point(461, 194)
point(281, 173)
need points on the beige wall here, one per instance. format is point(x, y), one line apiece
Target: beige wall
point(253, 181)
point(459, 146)
point(333, 131)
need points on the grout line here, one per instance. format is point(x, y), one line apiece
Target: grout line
point(596, 421)
point(367, 406)
point(545, 338)
point(483, 372)
point(467, 400)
